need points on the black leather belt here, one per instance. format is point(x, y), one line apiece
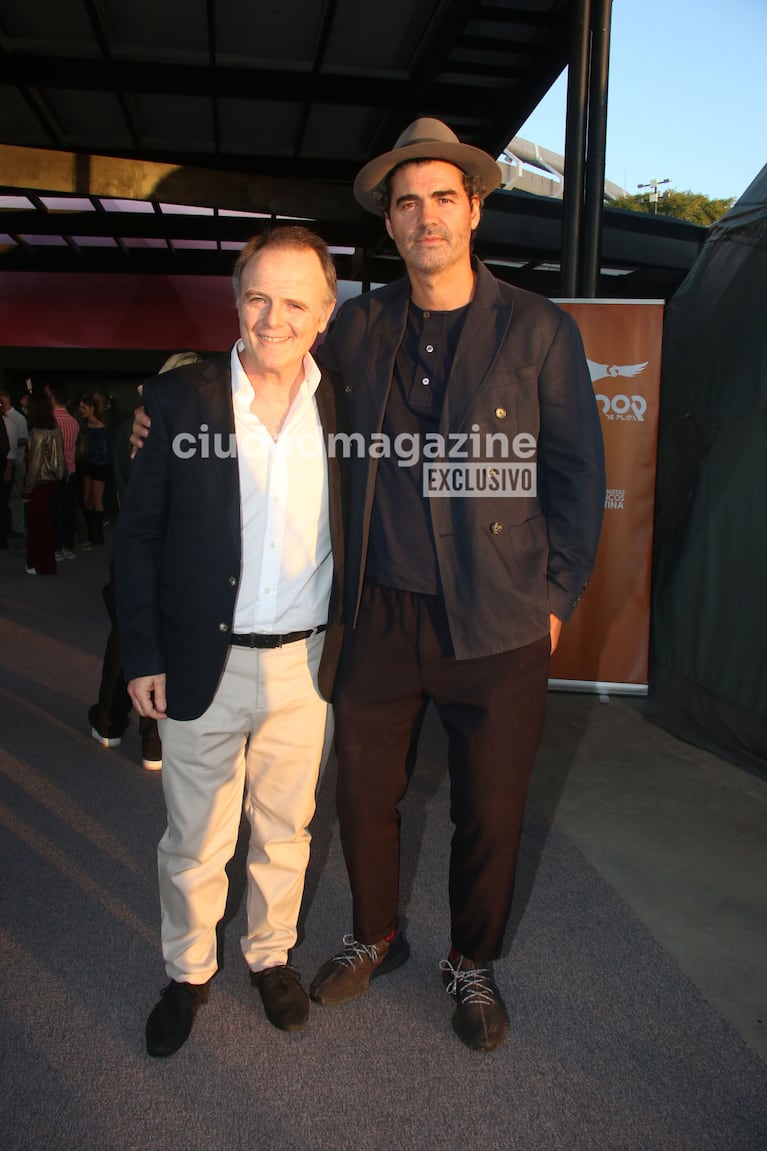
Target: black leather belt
point(257, 639)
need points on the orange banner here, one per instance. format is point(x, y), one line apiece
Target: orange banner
point(605, 645)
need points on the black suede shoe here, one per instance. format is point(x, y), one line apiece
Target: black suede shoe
point(285, 1002)
point(480, 1019)
point(170, 1021)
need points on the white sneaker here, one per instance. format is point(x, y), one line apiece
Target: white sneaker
point(104, 740)
point(59, 557)
point(31, 571)
point(68, 554)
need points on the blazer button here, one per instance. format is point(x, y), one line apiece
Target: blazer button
point(500, 413)
point(232, 581)
point(347, 388)
point(223, 627)
point(496, 528)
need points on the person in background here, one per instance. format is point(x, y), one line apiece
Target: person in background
point(5, 479)
point(16, 425)
point(45, 469)
point(107, 412)
point(95, 469)
point(109, 717)
point(65, 496)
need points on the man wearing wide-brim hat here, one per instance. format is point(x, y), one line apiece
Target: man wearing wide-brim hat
point(474, 521)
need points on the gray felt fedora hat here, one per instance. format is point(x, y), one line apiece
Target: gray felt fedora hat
point(426, 139)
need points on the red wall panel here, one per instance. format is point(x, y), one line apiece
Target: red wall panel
point(86, 310)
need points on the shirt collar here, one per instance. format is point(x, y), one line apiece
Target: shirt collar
point(240, 381)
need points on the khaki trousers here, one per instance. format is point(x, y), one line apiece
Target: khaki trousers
point(264, 737)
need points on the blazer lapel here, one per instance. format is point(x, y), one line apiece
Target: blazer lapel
point(386, 330)
point(484, 332)
point(217, 411)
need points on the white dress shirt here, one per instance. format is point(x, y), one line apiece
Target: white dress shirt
point(287, 563)
point(16, 426)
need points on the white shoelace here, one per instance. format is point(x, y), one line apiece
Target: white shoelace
point(470, 985)
point(353, 950)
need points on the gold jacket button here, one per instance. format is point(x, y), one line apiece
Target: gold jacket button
point(496, 528)
point(500, 413)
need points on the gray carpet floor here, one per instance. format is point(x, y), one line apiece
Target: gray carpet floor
point(611, 1046)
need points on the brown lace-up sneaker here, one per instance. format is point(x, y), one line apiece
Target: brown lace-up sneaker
point(347, 975)
point(480, 1019)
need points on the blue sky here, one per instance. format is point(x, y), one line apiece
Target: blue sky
point(687, 98)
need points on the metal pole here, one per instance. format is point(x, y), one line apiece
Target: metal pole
point(575, 145)
point(596, 149)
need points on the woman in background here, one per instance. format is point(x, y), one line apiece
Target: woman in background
point(45, 467)
point(95, 469)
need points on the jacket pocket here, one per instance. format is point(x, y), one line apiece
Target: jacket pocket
point(529, 544)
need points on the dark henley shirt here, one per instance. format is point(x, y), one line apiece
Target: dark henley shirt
point(401, 551)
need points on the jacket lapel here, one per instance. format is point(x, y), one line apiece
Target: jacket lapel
point(386, 330)
point(217, 411)
point(483, 336)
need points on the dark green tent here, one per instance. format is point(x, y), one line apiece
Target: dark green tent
point(708, 677)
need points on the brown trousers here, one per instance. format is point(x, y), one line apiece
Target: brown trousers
point(398, 659)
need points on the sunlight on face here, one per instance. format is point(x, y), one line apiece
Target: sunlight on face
point(282, 307)
point(430, 216)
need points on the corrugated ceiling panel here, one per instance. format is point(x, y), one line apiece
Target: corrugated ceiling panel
point(272, 31)
point(88, 119)
point(60, 29)
point(377, 34)
point(18, 125)
point(250, 127)
point(181, 122)
point(340, 131)
point(152, 30)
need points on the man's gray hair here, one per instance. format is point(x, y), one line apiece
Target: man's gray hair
point(290, 236)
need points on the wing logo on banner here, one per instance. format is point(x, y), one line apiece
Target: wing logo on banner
point(602, 371)
point(619, 407)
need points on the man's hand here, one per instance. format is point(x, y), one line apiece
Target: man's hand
point(147, 693)
point(555, 630)
point(139, 430)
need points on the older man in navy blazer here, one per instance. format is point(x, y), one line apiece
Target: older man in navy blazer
point(229, 563)
point(461, 567)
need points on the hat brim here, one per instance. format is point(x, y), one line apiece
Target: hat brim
point(471, 160)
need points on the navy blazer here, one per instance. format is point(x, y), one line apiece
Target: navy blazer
point(505, 562)
point(179, 547)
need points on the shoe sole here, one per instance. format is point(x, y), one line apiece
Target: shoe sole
point(152, 764)
point(104, 740)
point(392, 961)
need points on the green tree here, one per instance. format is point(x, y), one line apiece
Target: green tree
point(691, 206)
